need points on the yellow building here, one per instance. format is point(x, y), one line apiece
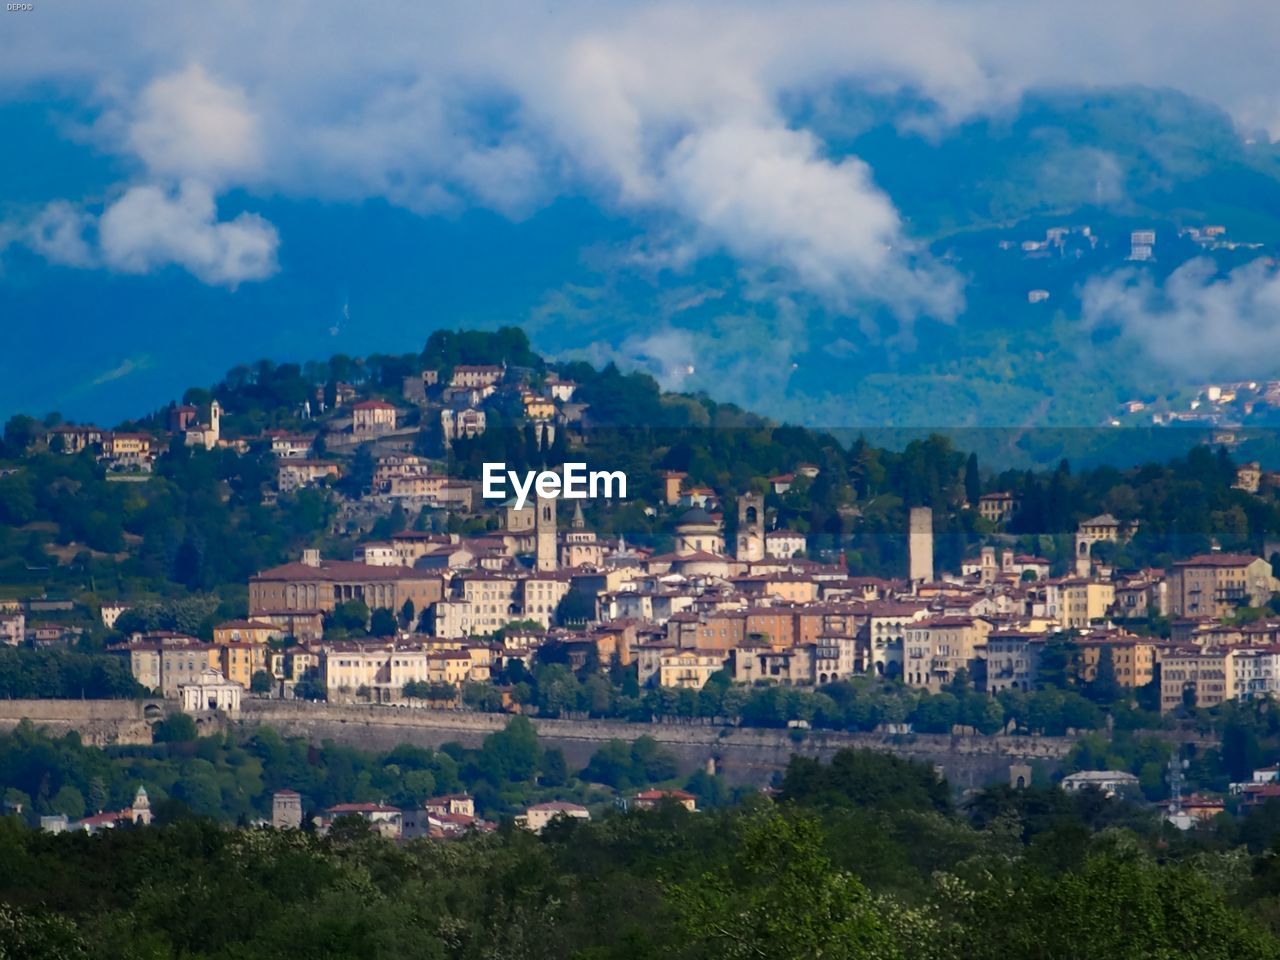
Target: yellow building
point(240, 661)
point(1248, 477)
point(539, 408)
point(127, 446)
point(690, 669)
point(936, 649)
point(997, 508)
point(372, 417)
point(1203, 676)
point(1083, 601)
point(672, 481)
point(1218, 584)
point(1132, 658)
point(246, 631)
point(788, 587)
point(454, 667)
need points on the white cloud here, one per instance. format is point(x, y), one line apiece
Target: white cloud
point(150, 227)
point(670, 109)
point(765, 194)
point(187, 125)
point(58, 233)
point(668, 354)
point(1198, 322)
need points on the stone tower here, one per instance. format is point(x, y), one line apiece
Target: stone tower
point(750, 527)
point(215, 422)
point(141, 809)
point(1084, 559)
point(544, 527)
point(920, 545)
point(286, 810)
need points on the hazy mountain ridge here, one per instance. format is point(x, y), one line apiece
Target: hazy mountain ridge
point(587, 283)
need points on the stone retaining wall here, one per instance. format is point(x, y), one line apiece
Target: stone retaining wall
point(743, 755)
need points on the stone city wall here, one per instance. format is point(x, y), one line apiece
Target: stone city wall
point(743, 755)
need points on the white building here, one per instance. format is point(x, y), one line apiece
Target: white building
point(539, 815)
point(212, 691)
point(13, 629)
point(110, 613)
point(783, 544)
point(388, 821)
point(1142, 245)
point(1110, 782)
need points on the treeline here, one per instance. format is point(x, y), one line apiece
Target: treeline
point(865, 858)
point(1061, 702)
point(66, 675)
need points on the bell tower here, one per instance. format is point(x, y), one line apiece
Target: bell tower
point(1084, 559)
point(750, 544)
point(544, 527)
point(215, 421)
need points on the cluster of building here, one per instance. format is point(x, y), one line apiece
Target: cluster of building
point(727, 596)
point(450, 816)
point(458, 406)
point(746, 602)
point(1221, 406)
point(446, 817)
point(137, 813)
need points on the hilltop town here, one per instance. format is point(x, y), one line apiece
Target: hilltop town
point(771, 576)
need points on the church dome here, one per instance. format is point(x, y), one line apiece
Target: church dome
point(697, 517)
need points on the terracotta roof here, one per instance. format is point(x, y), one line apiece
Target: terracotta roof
point(342, 808)
point(1218, 560)
point(559, 806)
point(346, 570)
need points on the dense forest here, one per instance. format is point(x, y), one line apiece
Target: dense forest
point(867, 857)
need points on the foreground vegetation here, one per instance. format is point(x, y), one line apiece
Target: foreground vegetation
point(864, 858)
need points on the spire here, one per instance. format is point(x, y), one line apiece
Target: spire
point(579, 521)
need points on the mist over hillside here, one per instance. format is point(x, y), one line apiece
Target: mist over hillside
point(954, 343)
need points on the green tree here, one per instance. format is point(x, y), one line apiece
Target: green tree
point(972, 481)
point(175, 728)
point(554, 769)
point(383, 623)
point(261, 682)
point(351, 615)
point(511, 754)
point(68, 800)
point(780, 897)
